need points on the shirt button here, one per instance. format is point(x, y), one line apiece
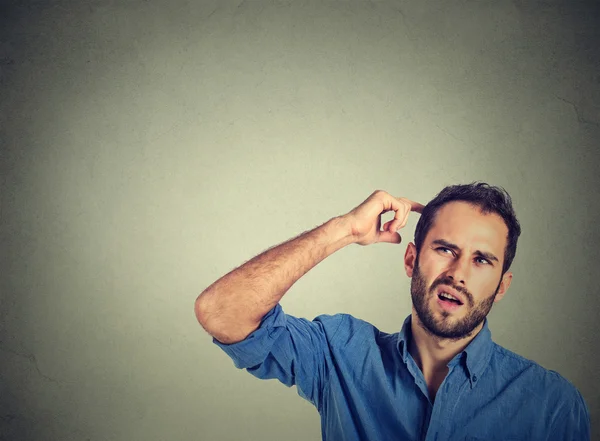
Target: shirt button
point(474, 377)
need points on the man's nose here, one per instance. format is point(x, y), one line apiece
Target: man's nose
point(458, 271)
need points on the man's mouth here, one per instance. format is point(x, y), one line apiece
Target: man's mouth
point(448, 298)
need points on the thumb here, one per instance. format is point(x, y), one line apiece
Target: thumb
point(387, 236)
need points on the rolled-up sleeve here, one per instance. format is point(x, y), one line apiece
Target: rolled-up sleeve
point(293, 350)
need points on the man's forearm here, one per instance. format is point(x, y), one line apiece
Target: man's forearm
point(233, 306)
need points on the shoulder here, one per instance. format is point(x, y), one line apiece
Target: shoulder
point(541, 381)
point(552, 396)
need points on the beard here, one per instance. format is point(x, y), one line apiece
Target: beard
point(447, 327)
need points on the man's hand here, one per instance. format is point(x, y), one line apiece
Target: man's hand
point(365, 220)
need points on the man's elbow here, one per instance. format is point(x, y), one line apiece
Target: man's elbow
point(225, 331)
point(198, 309)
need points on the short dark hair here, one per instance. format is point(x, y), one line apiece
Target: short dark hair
point(488, 198)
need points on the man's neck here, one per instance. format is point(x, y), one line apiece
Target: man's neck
point(431, 353)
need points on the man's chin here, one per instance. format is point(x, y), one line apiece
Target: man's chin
point(446, 333)
point(442, 325)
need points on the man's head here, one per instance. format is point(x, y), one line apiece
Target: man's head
point(465, 242)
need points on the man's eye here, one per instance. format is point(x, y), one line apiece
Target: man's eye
point(479, 259)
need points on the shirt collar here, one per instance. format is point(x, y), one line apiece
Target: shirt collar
point(477, 354)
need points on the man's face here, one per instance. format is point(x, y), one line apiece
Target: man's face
point(458, 254)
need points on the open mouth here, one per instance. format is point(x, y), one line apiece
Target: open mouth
point(447, 299)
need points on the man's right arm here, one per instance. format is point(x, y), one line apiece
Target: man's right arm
point(232, 307)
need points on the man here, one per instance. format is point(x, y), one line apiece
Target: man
point(441, 377)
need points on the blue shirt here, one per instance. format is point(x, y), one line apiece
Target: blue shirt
point(366, 385)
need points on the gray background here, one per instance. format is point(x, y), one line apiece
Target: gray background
point(149, 147)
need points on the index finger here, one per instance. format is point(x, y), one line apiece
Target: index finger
point(415, 206)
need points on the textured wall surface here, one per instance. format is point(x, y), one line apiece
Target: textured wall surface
point(149, 147)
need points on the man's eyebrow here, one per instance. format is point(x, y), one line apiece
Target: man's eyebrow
point(445, 243)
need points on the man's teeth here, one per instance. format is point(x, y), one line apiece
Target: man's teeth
point(448, 296)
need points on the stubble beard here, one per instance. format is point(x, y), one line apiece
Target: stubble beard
point(448, 327)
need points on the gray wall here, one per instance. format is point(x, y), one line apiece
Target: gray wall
point(148, 148)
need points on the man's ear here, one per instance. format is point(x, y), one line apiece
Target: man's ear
point(504, 284)
point(409, 259)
